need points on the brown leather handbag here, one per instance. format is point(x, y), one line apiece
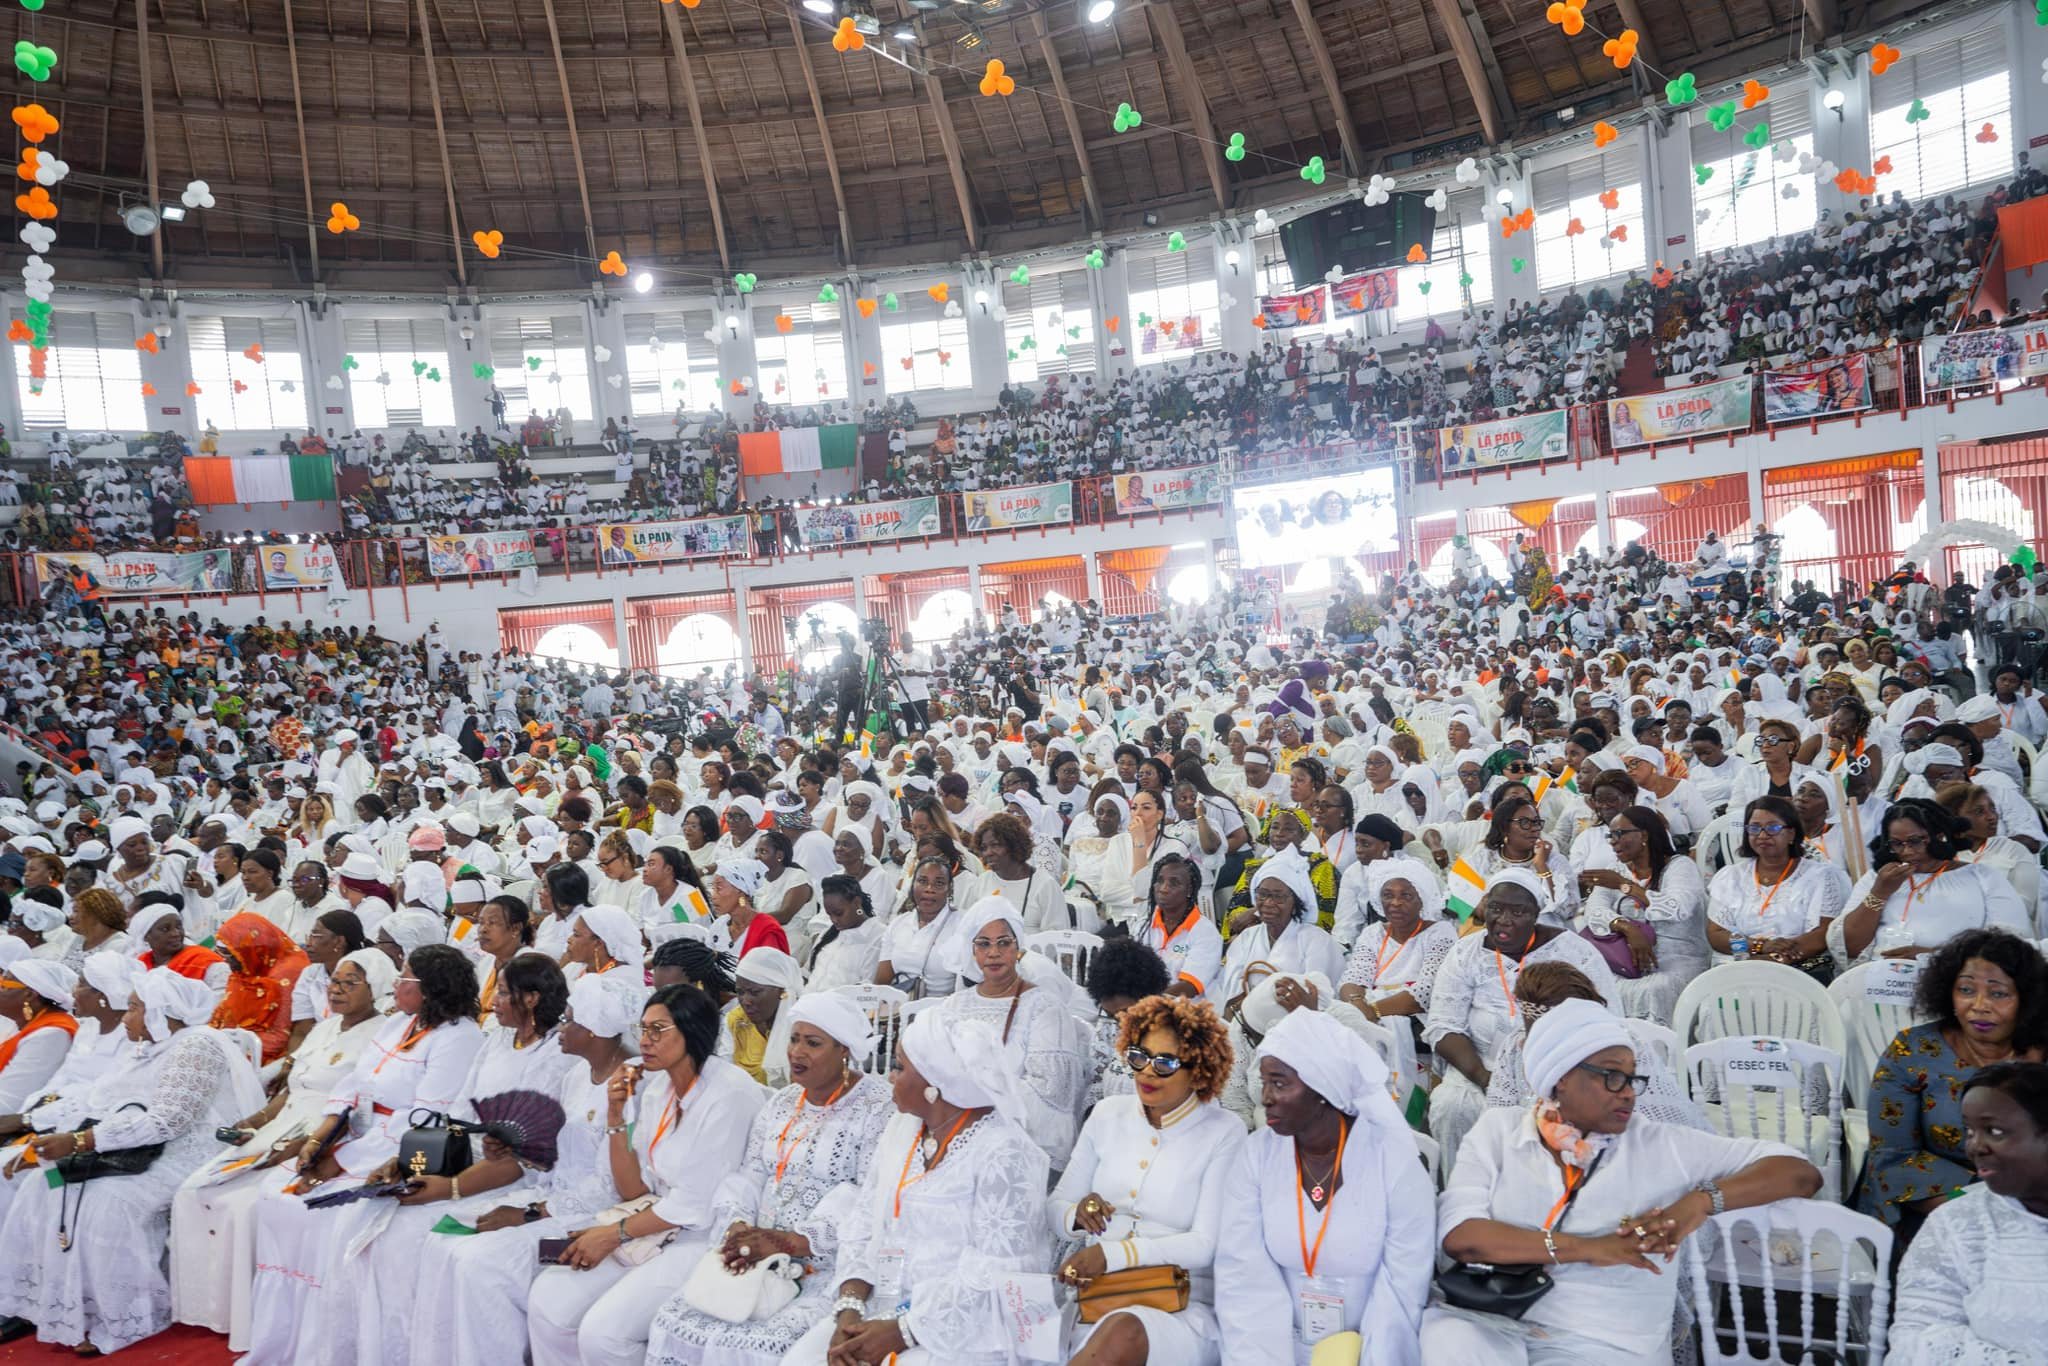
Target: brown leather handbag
point(1140, 1287)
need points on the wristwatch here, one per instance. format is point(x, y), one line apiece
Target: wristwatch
point(1712, 1190)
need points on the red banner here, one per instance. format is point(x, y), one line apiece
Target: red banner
point(1293, 310)
point(1366, 292)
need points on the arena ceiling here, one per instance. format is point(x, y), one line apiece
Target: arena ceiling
point(733, 135)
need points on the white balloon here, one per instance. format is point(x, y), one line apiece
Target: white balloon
point(1334, 274)
point(49, 170)
point(39, 236)
point(1468, 171)
point(1785, 151)
point(1439, 199)
point(613, 380)
point(334, 382)
point(602, 353)
point(198, 195)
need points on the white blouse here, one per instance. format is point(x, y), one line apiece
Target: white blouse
point(1969, 1291)
point(1386, 967)
point(1372, 1271)
point(1475, 990)
point(401, 1070)
point(850, 959)
point(1931, 910)
point(1302, 947)
point(1048, 1037)
point(918, 953)
point(1740, 902)
point(687, 1148)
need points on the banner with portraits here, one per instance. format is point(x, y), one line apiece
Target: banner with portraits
point(622, 543)
point(1369, 291)
point(140, 572)
point(306, 565)
point(1958, 360)
point(1676, 414)
point(1029, 505)
point(1165, 490)
point(1304, 309)
point(1836, 386)
point(1510, 441)
point(864, 523)
point(480, 552)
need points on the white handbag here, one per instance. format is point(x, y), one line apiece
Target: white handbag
point(762, 1291)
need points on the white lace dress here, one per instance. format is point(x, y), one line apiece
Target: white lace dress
point(1053, 1047)
point(1969, 1289)
point(977, 1217)
point(110, 1288)
point(826, 1154)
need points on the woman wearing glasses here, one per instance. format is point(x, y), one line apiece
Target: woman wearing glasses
point(1025, 1004)
point(1778, 775)
point(1651, 898)
point(618, 882)
point(1580, 1185)
point(1142, 1189)
point(1776, 901)
point(1917, 896)
point(1514, 839)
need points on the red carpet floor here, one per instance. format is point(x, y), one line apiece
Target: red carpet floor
point(180, 1346)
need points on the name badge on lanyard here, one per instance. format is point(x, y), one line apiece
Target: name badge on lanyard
point(1320, 1306)
point(888, 1282)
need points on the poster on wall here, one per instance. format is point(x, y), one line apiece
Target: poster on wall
point(1304, 309)
point(1510, 441)
point(287, 567)
point(1164, 335)
point(1676, 414)
point(480, 552)
point(1030, 505)
point(653, 542)
point(1165, 490)
point(862, 523)
point(124, 572)
point(1366, 292)
point(1959, 360)
point(1836, 386)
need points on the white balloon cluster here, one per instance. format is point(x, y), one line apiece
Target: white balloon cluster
point(49, 170)
point(1439, 199)
point(1468, 172)
point(37, 275)
point(198, 195)
point(1379, 190)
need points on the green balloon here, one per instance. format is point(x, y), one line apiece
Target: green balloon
point(2023, 556)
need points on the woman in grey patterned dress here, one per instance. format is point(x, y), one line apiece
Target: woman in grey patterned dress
point(809, 1146)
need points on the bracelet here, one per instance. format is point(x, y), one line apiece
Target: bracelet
point(624, 1237)
point(1712, 1190)
point(903, 1330)
point(845, 1303)
point(455, 1188)
point(616, 1128)
point(1550, 1246)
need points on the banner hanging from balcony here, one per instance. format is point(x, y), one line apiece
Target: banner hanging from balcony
point(1367, 292)
point(1836, 386)
point(653, 542)
point(218, 479)
point(1510, 441)
point(480, 552)
point(288, 567)
point(1676, 414)
point(205, 571)
point(861, 523)
point(800, 450)
point(1030, 505)
point(1163, 490)
point(1305, 309)
point(1959, 359)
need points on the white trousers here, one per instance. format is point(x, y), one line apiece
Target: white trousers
point(1451, 1339)
point(603, 1316)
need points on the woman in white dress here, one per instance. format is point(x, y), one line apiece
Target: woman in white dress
point(1029, 1013)
point(1541, 987)
point(1918, 895)
point(1005, 845)
point(952, 1204)
point(418, 1060)
point(1284, 937)
point(1145, 1186)
point(1392, 969)
point(1969, 1289)
point(1654, 899)
point(1473, 1013)
point(848, 953)
point(1334, 1153)
point(1979, 841)
point(1599, 1196)
point(85, 1262)
point(809, 1148)
point(598, 1305)
point(35, 998)
point(1777, 896)
point(916, 952)
point(472, 1309)
point(1096, 863)
point(213, 1216)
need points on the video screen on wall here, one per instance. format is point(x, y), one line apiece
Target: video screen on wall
point(1345, 515)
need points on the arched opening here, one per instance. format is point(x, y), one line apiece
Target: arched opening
point(1440, 567)
point(1810, 549)
point(1051, 602)
point(942, 615)
point(1313, 577)
point(1625, 529)
point(818, 630)
point(699, 642)
point(1972, 498)
point(1191, 586)
point(578, 644)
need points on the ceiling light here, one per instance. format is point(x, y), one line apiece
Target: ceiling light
point(904, 34)
point(820, 6)
point(1505, 195)
point(969, 40)
point(864, 21)
point(1097, 11)
point(173, 213)
point(140, 219)
point(1834, 100)
point(643, 282)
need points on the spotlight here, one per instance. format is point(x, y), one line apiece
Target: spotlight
point(969, 40)
point(1568, 113)
point(864, 20)
point(825, 7)
point(904, 34)
point(173, 213)
point(1097, 11)
point(643, 282)
point(140, 219)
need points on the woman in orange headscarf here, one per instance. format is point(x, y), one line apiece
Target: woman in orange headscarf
point(263, 967)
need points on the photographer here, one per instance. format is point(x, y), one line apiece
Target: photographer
point(912, 687)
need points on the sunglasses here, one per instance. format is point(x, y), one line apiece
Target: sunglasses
point(1162, 1064)
point(1772, 830)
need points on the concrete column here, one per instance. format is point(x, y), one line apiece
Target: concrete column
point(864, 345)
point(470, 394)
point(1667, 192)
point(1240, 338)
point(860, 595)
point(974, 593)
point(619, 629)
point(1507, 285)
point(170, 370)
point(1930, 487)
point(1755, 477)
point(1842, 137)
point(608, 331)
point(743, 624)
point(988, 352)
point(2028, 43)
point(326, 407)
point(1093, 568)
point(733, 321)
point(1112, 293)
point(1603, 521)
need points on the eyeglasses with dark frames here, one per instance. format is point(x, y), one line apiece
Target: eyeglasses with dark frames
point(1614, 1079)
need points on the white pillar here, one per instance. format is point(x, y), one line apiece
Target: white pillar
point(733, 320)
point(1093, 566)
point(860, 595)
point(988, 353)
point(974, 594)
point(1603, 521)
point(1930, 489)
point(608, 330)
point(1668, 220)
point(470, 394)
point(1507, 285)
point(326, 408)
point(169, 368)
point(1841, 136)
point(743, 624)
point(2029, 47)
point(1111, 290)
point(1755, 475)
point(1240, 338)
point(619, 629)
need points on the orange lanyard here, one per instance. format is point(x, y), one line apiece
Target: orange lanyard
point(1500, 965)
point(404, 1046)
point(905, 1181)
point(1572, 1177)
point(1310, 1255)
point(1790, 864)
point(1165, 939)
point(1914, 889)
point(1380, 960)
point(783, 1154)
point(669, 1116)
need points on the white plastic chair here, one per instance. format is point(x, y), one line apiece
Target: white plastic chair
point(887, 1009)
point(1868, 1028)
point(1756, 998)
point(1070, 949)
point(1742, 1261)
point(1663, 1039)
point(1714, 849)
point(1776, 1090)
point(1396, 1047)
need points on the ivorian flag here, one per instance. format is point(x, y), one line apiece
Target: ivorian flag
point(220, 479)
point(800, 450)
point(1462, 890)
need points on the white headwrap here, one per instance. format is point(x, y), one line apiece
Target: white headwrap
point(424, 886)
point(608, 1007)
point(1566, 1035)
point(13, 948)
point(125, 828)
point(969, 926)
point(377, 970)
point(1416, 874)
point(1262, 1009)
point(34, 915)
point(1340, 1067)
point(967, 1062)
point(147, 919)
point(167, 996)
point(47, 978)
point(745, 874)
point(839, 1016)
point(112, 975)
point(619, 931)
point(1123, 808)
point(413, 930)
point(1523, 878)
point(1290, 870)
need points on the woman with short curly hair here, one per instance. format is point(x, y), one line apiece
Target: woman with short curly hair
point(1144, 1186)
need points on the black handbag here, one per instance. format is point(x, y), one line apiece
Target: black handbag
point(79, 1168)
point(1509, 1291)
point(437, 1147)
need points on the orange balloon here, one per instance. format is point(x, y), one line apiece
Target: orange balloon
point(1604, 133)
point(784, 323)
point(1417, 254)
point(35, 122)
point(866, 307)
point(37, 204)
point(489, 242)
point(27, 169)
point(941, 290)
